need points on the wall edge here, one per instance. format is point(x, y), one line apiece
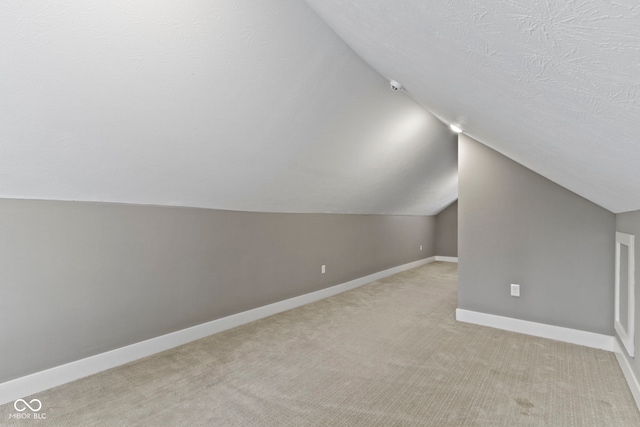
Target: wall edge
point(629, 375)
point(558, 333)
point(447, 258)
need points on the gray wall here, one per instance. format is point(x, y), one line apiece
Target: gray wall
point(629, 223)
point(447, 231)
point(82, 278)
point(517, 227)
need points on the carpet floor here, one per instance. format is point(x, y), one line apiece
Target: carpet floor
point(387, 354)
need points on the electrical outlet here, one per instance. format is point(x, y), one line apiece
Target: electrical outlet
point(323, 269)
point(515, 290)
point(420, 247)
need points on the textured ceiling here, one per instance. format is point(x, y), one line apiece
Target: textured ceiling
point(242, 105)
point(552, 84)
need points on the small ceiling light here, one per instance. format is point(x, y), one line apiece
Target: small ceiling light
point(455, 128)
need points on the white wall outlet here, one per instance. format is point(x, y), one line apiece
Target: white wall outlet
point(323, 269)
point(515, 290)
point(420, 247)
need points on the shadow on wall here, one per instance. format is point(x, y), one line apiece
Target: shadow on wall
point(447, 231)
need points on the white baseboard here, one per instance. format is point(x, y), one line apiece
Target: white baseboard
point(447, 258)
point(573, 336)
point(629, 375)
point(40, 381)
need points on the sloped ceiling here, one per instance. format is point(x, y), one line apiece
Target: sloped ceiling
point(241, 105)
point(552, 84)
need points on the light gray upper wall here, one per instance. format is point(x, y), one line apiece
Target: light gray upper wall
point(517, 227)
point(629, 222)
point(82, 278)
point(245, 105)
point(447, 231)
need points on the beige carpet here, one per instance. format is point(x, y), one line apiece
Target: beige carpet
point(387, 354)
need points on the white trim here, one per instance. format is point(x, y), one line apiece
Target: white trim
point(625, 332)
point(447, 258)
point(629, 375)
point(39, 381)
point(559, 333)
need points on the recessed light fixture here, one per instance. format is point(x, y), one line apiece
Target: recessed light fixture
point(455, 128)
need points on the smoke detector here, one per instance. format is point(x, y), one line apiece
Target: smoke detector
point(395, 86)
